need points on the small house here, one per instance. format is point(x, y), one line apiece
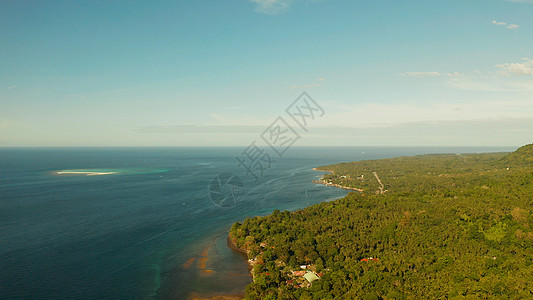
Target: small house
point(310, 276)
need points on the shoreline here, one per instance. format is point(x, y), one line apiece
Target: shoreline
point(201, 265)
point(195, 296)
point(249, 264)
point(322, 181)
point(233, 246)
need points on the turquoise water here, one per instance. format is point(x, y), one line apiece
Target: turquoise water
point(128, 235)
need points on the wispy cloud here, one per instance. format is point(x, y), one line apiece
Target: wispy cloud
point(421, 74)
point(454, 74)
point(12, 87)
point(508, 26)
point(509, 69)
point(382, 114)
point(272, 7)
point(504, 132)
point(318, 83)
point(5, 124)
point(503, 79)
point(366, 114)
point(305, 86)
point(488, 83)
point(198, 128)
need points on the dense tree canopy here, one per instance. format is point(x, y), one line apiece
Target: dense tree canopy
point(441, 226)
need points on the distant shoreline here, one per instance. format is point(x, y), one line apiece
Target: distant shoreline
point(322, 181)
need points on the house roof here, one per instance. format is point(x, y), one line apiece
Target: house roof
point(310, 276)
point(298, 273)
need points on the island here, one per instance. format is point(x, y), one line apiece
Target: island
point(455, 226)
point(84, 173)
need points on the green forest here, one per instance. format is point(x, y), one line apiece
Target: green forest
point(444, 226)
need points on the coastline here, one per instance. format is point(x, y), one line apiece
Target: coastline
point(202, 266)
point(195, 296)
point(322, 181)
point(233, 246)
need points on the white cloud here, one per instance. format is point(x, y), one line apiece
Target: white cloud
point(348, 114)
point(454, 74)
point(508, 132)
point(508, 26)
point(375, 115)
point(305, 86)
point(421, 74)
point(12, 87)
point(516, 69)
point(234, 119)
point(491, 85)
point(491, 82)
point(509, 69)
point(272, 7)
point(501, 80)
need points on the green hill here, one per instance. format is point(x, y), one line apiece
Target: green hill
point(523, 155)
point(429, 226)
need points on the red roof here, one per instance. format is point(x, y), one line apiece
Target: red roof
point(367, 259)
point(299, 273)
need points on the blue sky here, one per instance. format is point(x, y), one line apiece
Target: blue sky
point(217, 73)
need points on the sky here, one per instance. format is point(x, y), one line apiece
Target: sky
point(219, 73)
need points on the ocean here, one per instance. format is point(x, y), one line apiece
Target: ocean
point(148, 223)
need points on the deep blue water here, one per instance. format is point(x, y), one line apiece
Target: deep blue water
point(128, 235)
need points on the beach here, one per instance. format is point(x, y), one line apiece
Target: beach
point(86, 173)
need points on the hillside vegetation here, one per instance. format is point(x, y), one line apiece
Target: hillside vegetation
point(429, 226)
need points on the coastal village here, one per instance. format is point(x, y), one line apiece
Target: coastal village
point(345, 179)
point(305, 275)
point(299, 278)
point(329, 182)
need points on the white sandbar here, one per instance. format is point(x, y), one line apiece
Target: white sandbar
point(87, 173)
